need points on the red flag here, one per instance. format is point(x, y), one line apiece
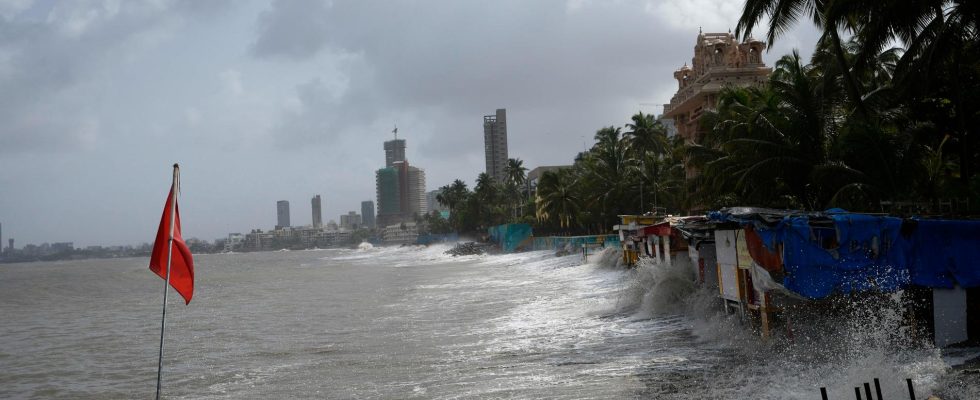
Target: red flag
point(182, 265)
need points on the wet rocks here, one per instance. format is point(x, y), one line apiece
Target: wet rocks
point(469, 249)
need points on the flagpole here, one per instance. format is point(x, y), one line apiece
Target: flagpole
point(166, 282)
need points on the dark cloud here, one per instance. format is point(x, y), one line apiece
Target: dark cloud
point(282, 100)
point(292, 29)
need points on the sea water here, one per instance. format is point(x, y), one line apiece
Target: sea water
point(413, 323)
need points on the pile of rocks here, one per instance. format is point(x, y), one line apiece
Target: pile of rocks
point(469, 249)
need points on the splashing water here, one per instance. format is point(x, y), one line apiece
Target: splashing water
point(412, 322)
point(838, 344)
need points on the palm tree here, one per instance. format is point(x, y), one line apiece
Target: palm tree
point(646, 135)
point(610, 176)
point(939, 62)
point(556, 198)
point(453, 196)
point(516, 178)
point(515, 171)
point(487, 197)
point(826, 15)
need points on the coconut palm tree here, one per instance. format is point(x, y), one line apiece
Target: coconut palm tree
point(516, 175)
point(826, 15)
point(454, 196)
point(556, 198)
point(609, 177)
point(646, 135)
point(515, 171)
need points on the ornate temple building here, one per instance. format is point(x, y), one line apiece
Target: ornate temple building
point(719, 60)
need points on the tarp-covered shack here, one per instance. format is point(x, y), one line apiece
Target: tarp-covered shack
point(835, 252)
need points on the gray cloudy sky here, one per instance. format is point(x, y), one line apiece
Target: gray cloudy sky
point(262, 101)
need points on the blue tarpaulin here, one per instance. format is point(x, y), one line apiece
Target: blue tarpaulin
point(849, 256)
point(945, 252)
point(840, 252)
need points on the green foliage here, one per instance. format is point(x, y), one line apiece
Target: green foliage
point(858, 124)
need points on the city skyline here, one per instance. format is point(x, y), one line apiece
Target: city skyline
point(262, 101)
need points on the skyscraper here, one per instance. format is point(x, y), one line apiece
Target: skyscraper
point(394, 151)
point(389, 201)
point(495, 143)
point(367, 213)
point(317, 214)
point(415, 189)
point(282, 212)
point(400, 187)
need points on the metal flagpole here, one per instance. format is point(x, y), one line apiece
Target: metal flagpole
point(166, 283)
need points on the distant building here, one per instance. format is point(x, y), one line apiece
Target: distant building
point(415, 187)
point(234, 241)
point(389, 201)
point(10, 247)
point(63, 247)
point(394, 151)
point(495, 143)
point(401, 193)
point(1, 238)
point(406, 232)
point(350, 221)
point(400, 187)
point(433, 202)
point(282, 212)
point(367, 214)
point(317, 214)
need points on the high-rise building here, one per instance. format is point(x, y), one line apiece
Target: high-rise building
point(401, 193)
point(10, 247)
point(400, 187)
point(394, 151)
point(389, 202)
point(282, 214)
point(415, 189)
point(1, 239)
point(367, 214)
point(317, 214)
point(495, 143)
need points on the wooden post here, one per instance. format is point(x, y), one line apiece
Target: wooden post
point(656, 250)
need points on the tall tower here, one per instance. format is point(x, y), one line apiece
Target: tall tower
point(367, 213)
point(415, 192)
point(282, 214)
point(389, 201)
point(394, 150)
point(317, 214)
point(495, 143)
